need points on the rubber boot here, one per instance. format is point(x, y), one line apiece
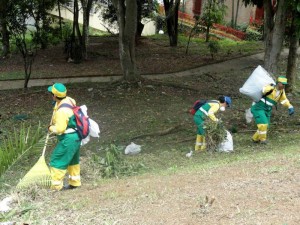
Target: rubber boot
point(57, 177)
point(74, 175)
point(200, 143)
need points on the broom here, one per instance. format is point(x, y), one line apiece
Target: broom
point(39, 174)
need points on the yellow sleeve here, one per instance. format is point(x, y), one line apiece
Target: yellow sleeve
point(284, 100)
point(267, 88)
point(214, 107)
point(60, 121)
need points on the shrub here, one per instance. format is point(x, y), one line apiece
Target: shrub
point(214, 47)
point(237, 33)
point(253, 35)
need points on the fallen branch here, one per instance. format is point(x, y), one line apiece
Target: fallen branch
point(160, 133)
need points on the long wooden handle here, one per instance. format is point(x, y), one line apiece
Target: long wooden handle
point(47, 137)
point(46, 142)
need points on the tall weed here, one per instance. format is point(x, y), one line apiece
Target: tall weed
point(17, 144)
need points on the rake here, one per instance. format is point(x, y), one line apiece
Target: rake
point(39, 175)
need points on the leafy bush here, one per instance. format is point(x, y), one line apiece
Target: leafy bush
point(113, 163)
point(242, 27)
point(214, 47)
point(215, 135)
point(253, 35)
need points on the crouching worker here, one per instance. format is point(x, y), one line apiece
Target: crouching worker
point(262, 109)
point(65, 156)
point(208, 110)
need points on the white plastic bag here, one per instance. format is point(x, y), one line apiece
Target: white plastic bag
point(132, 149)
point(248, 115)
point(4, 204)
point(255, 83)
point(94, 127)
point(227, 144)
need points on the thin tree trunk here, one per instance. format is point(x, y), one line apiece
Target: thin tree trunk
point(268, 28)
point(5, 35)
point(232, 14)
point(59, 19)
point(292, 57)
point(171, 11)
point(140, 26)
point(236, 13)
point(276, 38)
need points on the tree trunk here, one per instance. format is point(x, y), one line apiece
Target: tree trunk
point(236, 13)
point(86, 7)
point(140, 26)
point(171, 11)
point(207, 33)
point(275, 35)
point(4, 28)
point(232, 14)
point(5, 35)
point(127, 19)
point(59, 19)
point(292, 57)
point(76, 36)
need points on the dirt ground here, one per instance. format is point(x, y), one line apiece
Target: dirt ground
point(248, 193)
point(263, 188)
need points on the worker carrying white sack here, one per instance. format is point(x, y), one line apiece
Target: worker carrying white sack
point(262, 109)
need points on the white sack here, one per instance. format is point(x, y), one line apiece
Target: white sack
point(4, 204)
point(248, 115)
point(132, 149)
point(227, 144)
point(256, 81)
point(94, 128)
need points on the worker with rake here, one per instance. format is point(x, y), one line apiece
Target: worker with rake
point(65, 156)
point(208, 109)
point(262, 110)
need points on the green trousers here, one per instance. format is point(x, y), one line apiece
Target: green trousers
point(65, 158)
point(262, 115)
point(199, 121)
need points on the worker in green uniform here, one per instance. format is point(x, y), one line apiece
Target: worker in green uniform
point(262, 110)
point(209, 109)
point(65, 156)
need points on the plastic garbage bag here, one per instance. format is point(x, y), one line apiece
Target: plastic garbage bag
point(94, 128)
point(4, 204)
point(189, 154)
point(256, 81)
point(248, 115)
point(132, 149)
point(227, 144)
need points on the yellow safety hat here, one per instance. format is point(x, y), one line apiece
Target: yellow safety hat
point(58, 89)
point(282, 79)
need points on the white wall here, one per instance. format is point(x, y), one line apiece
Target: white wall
point(97, 23)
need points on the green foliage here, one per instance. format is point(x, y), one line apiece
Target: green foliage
point(215, 135)
point(16, 145)
point(242, 27)
point(214, 47)
point(113, 163)
point(253, 35)
point(213, 12)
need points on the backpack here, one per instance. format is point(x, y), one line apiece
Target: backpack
point(197, 105)
point(82, 121)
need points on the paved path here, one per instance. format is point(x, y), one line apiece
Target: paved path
point(232, 64)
